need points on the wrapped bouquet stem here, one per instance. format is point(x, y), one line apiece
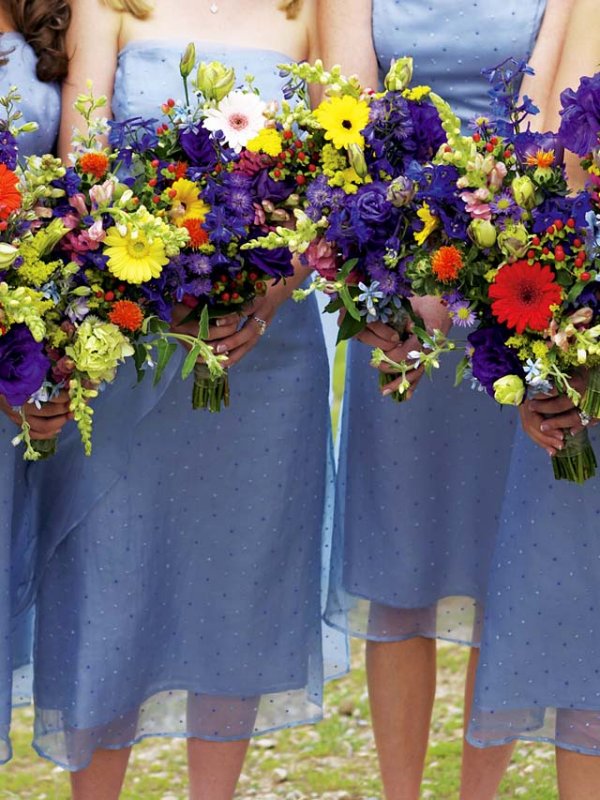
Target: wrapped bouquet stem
point(210, 392)
point(576, 462)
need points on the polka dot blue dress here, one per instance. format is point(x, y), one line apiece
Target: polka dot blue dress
point(41, 104)
point(539, 670)
point(178, 571)
point(420, 484)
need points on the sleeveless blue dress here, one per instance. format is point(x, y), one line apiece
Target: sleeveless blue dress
point(420, 484)
point(539, 670)
point(178, 570)
point(41, 104)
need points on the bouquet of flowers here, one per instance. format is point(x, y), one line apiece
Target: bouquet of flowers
point(518, 270)
point(224, 168)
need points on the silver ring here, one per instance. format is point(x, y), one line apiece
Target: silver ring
point(585, 418)
point(262, 325)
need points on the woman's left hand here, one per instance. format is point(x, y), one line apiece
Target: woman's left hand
point(558, 413)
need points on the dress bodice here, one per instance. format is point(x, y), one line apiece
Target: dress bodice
point(148, 73)
point(453, 40)
point(40, 101)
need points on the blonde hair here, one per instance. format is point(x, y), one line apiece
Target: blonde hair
point(291, 7)
point(139, 8)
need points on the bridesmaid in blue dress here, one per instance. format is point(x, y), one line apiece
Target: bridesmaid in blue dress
point(420, 485)
point(33, 59)
point(178, 574)
point(539, 671)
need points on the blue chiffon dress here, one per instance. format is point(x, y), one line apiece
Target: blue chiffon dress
point(178, 571)
point(41, 104)
point(420, 484)
point(539, 670)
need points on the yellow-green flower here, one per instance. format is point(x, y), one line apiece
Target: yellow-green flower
point(417, 93)
point(133, 256)
point(343, 119)
point(98, 349)
point(509, 390)
point(268, 141)
point(430, 223)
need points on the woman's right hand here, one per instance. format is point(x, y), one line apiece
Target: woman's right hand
point(45, 422)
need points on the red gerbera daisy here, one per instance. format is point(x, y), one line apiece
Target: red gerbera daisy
point(126, 315)
point(446, 263)
point(10, 196)
point(198, 235)
point(523, 294)
point(95, 164)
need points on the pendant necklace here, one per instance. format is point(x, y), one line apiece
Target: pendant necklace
point(214, 8)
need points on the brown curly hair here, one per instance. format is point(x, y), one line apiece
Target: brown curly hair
point(44, 24)
point(291, 7)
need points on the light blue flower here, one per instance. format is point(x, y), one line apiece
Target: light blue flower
point(371, 298)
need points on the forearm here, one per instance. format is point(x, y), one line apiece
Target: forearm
point(346, 38)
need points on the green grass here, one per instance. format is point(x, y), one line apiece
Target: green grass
point(334, 760)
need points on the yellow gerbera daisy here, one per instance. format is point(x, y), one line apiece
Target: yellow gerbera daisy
point(187, 203)
point(343, 119)
point(430, 223)
point(134, 257)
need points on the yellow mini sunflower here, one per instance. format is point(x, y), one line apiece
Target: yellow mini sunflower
point(134, 257)
point(343, 119)
point(187, 203)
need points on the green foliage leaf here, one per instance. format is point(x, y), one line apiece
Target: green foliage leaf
point(165, 350)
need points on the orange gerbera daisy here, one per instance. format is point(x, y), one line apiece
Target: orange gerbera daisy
point(543, 159)
point(524, 294)
point(198, 235)
point(446, 263)
point(95, 164)
point(126, 315)
point(10, 196)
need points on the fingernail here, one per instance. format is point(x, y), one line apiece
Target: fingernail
point(219, 322)
point(387, 392)
point(550, 453)
point(221, 348)
point(396, 337)
point(544, 428)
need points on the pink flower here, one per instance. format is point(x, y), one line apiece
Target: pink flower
point(477, 203)
point(497, 175)
point(78, 203)
point(321, 257)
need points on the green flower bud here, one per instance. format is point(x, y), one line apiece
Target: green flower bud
point(399, 75)
point(523, 189)
point(215, 80)
point(356, 157)
point(513, 241)
point(509, 390)
point(8, 254)
point(401, 191)
point(188, 59)
point(483, 233)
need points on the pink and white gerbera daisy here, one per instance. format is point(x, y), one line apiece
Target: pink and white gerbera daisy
point(240, 117)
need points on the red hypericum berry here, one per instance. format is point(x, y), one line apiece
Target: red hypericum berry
point(301, 155)
point(99, 295)
point(172, 168)
point(152, 182)
point(277, 173)
point(447, 148)
point(507, 154)
point(312, 167)
point(550, 230)
point(156, 199)
point(535, 241)
point(235, 296)
point(288, 135)
point(579, 261)
point(530, 254)
point(109, 296)
point(252, 276)
point(494, 140)
point(121, 287)
point(558, 224)
point(570, 222)
point(476, 137)
point(489, 147)
point(223, 278)
point(559, 254)
point(172, 193)
point(225, 297)
point(298, 143)
point(171, 102)
point(218, 168)
point(159, 130)
point(300, 180)
point(585, 276)
point(577, 242)
point(545, 251)
point(155, 163)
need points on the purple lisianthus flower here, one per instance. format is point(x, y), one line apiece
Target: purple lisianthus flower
point(8, 149)
point(491, 359)
point(276, 263)
point(266, 188)
point(580, 125)
point(372, 204)
point(23, 365)
point(528, 143)
point(198, 146)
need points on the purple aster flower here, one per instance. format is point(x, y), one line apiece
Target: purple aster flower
point(462, 314)
point(389, 282)
point(580, 124)
point(504, 204)
point(491, 358)
point(23, 365)
point(8, 149)
point(199, 287)
point(199, 264)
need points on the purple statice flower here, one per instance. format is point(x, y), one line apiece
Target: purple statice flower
point(198, 264)
point(491, 359)
point(9, 150)
point(580, 125)
point(23, 365)
point(198, 287)
point(322, 197)
point(196, 142)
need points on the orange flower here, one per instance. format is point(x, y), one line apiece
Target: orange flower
point(541, 159)
point(198, 236)
point(446, 263)
point(10, 196)
point(126, 315)
point(181, 169)
point(95, 164)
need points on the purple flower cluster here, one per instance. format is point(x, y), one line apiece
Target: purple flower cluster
point(580, 126)
point(23, 365)
point(491, 359)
